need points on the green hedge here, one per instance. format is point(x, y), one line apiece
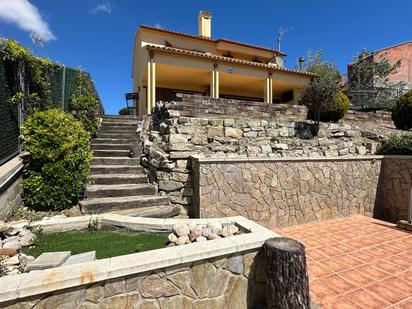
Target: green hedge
point(402, 111)
point(397, 145)
point(58, 162)
point(337, 111)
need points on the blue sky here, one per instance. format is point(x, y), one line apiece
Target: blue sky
point(98, 34)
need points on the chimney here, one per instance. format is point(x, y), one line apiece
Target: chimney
point(205, 24)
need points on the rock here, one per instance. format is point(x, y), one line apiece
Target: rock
point(195, 233)
point(26, 258)
point(232, 132)
point(12, 232)
point(12, 245)
point(280, 146)
point(202, 277)
point(27, 238)
point(155, 286)
point(182, 240)
point(172, 244)
point(169, 185)
point(3, 226)
point(201, 239)
point(14, 260)
point(233, 229)
point(224, 232)
point(8, 251)
point(172, 237)
point(129, 300)
point(181, 229)
point(360, 150)
point(215, 227)
point(192, 226)
point(213, 236)
point(206, 232)
point(235, 264)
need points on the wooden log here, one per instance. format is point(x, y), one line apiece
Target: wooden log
point(287, 277)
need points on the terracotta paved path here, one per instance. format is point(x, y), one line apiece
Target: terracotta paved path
point(357, 262)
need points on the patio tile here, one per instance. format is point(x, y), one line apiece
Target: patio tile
point(355, 277)
point(366, 300)
point(340, 302)
point(330, 251)
point(390, 295)
point(399, 284)
point(349, 260)
point(402, 260)
point(338, 283)
point(336, 265)
point(372, 272)
point(322, 290)
point(388, 267)
point(407, 276)
point(316, 254)
point(407, 304)
point(318, 270)
point(362, 256)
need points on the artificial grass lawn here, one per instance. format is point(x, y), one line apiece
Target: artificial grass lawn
point(105, 243)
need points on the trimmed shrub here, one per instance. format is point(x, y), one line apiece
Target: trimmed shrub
point(58, 162)
point(402, 111)
point(397, 145)
point(338, 110)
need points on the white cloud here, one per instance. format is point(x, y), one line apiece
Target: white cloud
point(26, 16)
point(105, 7)
point(159, 26)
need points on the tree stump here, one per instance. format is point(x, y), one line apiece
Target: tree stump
point(287, 277)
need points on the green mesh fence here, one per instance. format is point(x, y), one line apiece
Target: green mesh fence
point(9, 123)
point(9, 116)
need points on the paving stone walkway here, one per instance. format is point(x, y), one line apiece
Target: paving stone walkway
point(357, 262)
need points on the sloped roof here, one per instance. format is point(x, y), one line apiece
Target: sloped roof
point(187, 52)
point(279, 53)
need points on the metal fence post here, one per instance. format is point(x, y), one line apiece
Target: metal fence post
point(63, 86)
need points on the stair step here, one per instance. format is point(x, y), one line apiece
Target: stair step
point(116, 169)
point(110, 141)
point(117, 131)
point(99, 191)
point(119, 124)
point(111, 153)
point(128, 136)
point(99, 205)
point(114, 179)
point(111, 146)
point(117, 118)
point(115, 161)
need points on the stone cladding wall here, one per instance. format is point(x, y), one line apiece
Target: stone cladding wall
point(169, 139)
point(235, 281)
point(395, 188)
point(287, 192)
point(279, 193)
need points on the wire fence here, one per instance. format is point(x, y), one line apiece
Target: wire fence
point(63, 84)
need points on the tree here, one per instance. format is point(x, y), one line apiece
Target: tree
point(321, 92)
point(369, 84)
point(124, 111)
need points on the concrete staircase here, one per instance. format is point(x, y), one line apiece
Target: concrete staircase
point(117, 182)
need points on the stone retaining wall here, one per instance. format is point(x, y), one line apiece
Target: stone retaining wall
point(377, 118)
point(285, 192)
point(10, 187)
point(173, 138)
point(221, 273)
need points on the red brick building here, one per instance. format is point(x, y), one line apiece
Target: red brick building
point(402, 52)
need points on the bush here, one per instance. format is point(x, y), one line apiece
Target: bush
point(124, 111)
point(84, 109)
point(397, 145)
point(58, 162)
point(338, 110)
point(402, 111)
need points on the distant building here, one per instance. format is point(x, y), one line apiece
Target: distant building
point(166, 62)
point(402, 52)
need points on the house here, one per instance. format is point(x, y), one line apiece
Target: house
point(167, 62)
point(401, 52)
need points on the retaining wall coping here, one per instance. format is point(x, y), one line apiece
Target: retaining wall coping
point(293, 159)
point(50, 280)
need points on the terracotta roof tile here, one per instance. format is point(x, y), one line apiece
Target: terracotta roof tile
point(215, 41)
point(223, 58)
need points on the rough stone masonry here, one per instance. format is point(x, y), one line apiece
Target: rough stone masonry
point(169, 139)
